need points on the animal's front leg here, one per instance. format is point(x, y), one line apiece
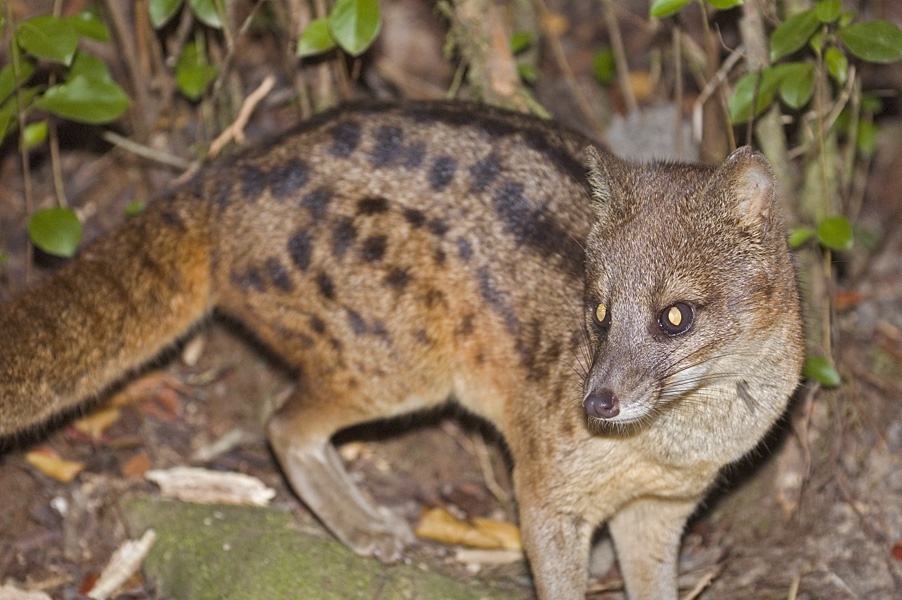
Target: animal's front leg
point(647, 536)
point(557, 546)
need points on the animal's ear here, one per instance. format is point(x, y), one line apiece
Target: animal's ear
point(599, 181)
point(746, 186)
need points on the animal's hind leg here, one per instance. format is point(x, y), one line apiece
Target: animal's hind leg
point(300, 433)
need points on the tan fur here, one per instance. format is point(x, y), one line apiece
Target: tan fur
point(400, 256)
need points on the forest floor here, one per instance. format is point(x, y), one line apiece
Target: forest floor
point(816, 512)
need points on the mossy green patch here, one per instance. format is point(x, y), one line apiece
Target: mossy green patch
point(214, 552)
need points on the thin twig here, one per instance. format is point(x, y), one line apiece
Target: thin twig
point(794, 587)
point(146, 152)
point(619, 50)
point(702, 584)
point(235, 131)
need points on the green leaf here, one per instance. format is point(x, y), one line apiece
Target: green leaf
point(162, 10)
point(604, 68)
point(828, 10)
point(520, 41)
point(797, 84)
point(527, 72)
point(56, 231)
point(874, 41)
point(193, 73)
point(354, 24)
point(665, 8)
point(835, 233)
point(90, 66)
point(7, 79)
point(867, 138)
point(799, 236)
point(847, 18)
point(821, 370)
point(48, 37)
point(766, 83)
point(793, 33)
point(85, 100)
point(871, 104)
point(134, 207)
point(837, 64)
point(35, 134)
point(88, 24)
point(315, 39)
point(208, 12)
point(725, 4)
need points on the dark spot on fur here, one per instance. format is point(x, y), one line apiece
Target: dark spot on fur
point(442, 172)
point(484, 172)
point(441, 257)
point(223, 193)
point(464, 249)
point(317, 324)
point(279, 274)
point(413, 155)
point(250, 280)
point(389, 143)
point(343, 236)
point(306, 340)
point(562, 157)
point(465, 327)
point(380, 331)
point(300, 249)
point(373, 248)
point(435, 298)
point(535, 227)
point(421, 336)
point(345, 138)
point(415, 217)
point(497, 300)
point(288, 178)
point(317, 202)
point(326, 286)
point(253, 182)
point(398, 278)
point(372, 206)
point(172, 219)
point(358, 325)
point(438, 227)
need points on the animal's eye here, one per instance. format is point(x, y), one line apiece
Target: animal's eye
point(677, 318)
point(602, 315)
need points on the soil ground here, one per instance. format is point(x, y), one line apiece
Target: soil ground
point(815, 513)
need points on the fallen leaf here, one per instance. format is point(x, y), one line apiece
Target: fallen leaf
point(94, 424)
point(146, 387)
point(124, 563)
point(440, 525)
point(50, 464)
point(139, 464)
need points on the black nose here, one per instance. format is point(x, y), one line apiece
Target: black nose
point(601, 404)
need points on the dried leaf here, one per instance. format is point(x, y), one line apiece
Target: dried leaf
point(97, 422)
point(124, 562)
point(211, 487)
point(50, 464)
point(440, 525)
point(146, 387)
point(138, 465)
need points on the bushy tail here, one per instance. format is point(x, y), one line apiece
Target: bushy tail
point(115, 307)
